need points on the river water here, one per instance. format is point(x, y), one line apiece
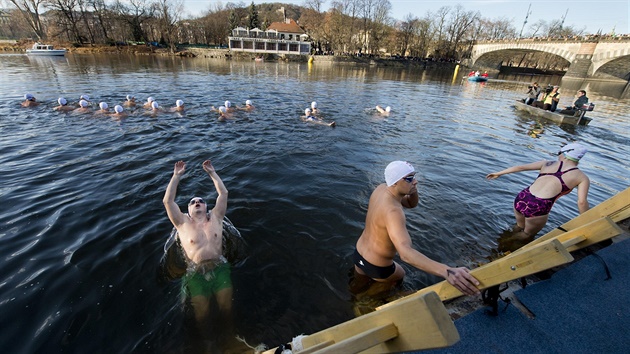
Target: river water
point(82, 225)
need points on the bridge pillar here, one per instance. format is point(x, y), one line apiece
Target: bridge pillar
point(583, 60)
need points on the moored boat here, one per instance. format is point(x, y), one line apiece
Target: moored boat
point(45, 49)
point(477, 78)
point(553, 116)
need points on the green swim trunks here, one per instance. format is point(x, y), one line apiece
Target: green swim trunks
point(199, 283)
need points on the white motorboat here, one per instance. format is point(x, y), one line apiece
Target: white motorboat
point(45, 49)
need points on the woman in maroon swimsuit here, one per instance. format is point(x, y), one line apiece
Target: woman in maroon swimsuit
point(555, 179)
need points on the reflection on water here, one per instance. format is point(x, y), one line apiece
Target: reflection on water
point(83, 227)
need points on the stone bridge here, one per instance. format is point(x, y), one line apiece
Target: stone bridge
point(607, 59)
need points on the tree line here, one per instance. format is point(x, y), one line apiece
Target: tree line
point(356, 27)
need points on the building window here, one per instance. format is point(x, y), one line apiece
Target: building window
point(271, 46)
point(282, 47)
point(260, 45)
point(293, 47)
point(248, 45)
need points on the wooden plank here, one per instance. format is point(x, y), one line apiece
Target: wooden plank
point(362, 341)
point(422, 323)
point(513, 266)
point(314, 348)
point(595, 231)
point(617, 208)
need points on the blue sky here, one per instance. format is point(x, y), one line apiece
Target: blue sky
point(593, 15)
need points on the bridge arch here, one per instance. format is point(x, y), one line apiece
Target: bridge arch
point(587, 58)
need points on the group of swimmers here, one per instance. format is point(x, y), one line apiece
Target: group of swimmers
point(83, 106)
point(311, 114)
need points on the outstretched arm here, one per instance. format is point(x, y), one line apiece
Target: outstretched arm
point(174, 214)
point(529, 167)
point(458, 277)
point(220, 206)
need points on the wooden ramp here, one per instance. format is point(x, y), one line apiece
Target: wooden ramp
point(416, 323)
point(420, 321)
point(595, 225)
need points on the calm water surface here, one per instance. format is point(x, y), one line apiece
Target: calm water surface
point(82, 225)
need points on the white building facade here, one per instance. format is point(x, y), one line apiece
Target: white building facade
point(280, 38)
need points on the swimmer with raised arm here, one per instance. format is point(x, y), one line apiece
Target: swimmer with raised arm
point(555, 179)
point(201, 236)
point(385, 234)
point(384, 111)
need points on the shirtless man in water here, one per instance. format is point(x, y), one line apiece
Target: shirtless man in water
point(385, 234)
point(201, 236)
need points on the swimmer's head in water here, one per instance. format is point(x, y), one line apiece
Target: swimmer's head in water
point(155, 105)
point(130, 98)
point(29, 97)
point(222, 109)
point(150, 99)
point(103, 105)
point(179, 103)
point(62, 101)
point(307, 112)
point(228, 104)
point(118, 108)
point(83, 103)
point(248, 102)
point(84, 97)
point(396, 170)
point(313, 105)
point(388, 109)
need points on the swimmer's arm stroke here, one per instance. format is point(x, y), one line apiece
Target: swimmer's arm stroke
point(459, 277)
point(172, 210)
point(528, 167)
point(220, 207)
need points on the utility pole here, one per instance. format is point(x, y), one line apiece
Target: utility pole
point(525, 22)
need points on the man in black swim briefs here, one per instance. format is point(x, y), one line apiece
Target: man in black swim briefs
point(385, 234)
point(201, 236)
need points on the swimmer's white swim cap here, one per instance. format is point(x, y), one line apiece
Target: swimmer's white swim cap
point(307, 112)
point(118, 108)
point(103, 105)
point(222, 109)
point(83, 103)
point(397, 170)
point(179, 103)
point(154, 105)
point(62, 101)
point(248, 102)
point(228, 104)
point(150, 99)
point(388, 109)
point(313, 104)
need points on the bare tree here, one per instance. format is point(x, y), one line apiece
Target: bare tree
point(134, 13)
point(167, 14)
point(29, 10)
point(68, 19)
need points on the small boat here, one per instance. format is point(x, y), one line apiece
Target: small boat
point(555, 117)
point(477, 78)
point(45, 49)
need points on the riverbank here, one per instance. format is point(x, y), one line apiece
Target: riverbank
point(224, 53)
